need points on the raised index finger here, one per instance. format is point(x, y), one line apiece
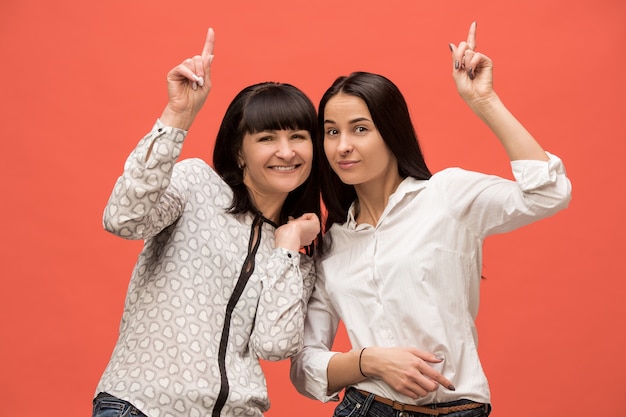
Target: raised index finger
point(471, 36)
point(208, 44)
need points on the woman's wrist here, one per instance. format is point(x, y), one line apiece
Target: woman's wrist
point(361, 363)
point(487, 107)
point(178, 120)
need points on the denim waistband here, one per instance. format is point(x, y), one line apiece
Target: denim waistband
point(380, 408)
point(105, 402)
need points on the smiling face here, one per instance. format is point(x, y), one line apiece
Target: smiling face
point(353, 146)
point(275, 162)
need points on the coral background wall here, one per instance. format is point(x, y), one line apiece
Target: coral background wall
point(83, 81)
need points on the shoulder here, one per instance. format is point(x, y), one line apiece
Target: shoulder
point(453, 174)
point(455, 179)
point(194, 165)
point(411, 186)
point(195, 169)
point(202, 177)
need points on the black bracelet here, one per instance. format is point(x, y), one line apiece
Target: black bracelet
point(360, 356)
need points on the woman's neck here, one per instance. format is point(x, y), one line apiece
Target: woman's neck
point(373, 199)
point(269, 206)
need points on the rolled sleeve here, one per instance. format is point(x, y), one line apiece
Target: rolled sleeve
point(309, 369)
point(532, 174)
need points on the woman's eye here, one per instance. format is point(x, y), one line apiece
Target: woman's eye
point(360, 129)
point(265, 138)
point(331, 132)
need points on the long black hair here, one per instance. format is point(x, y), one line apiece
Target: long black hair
point(391, 117)
point(267, 106)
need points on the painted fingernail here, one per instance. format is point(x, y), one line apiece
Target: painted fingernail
point(200, 81)
point(439, 357)
point(451, 387)
point(450, 45)
point(194, 86)
point(211, 59)
point(456, 65)
point(470, 72)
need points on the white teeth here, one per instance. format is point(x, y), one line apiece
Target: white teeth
point(283, 168)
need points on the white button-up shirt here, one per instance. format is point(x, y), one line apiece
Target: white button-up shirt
point(414, 278)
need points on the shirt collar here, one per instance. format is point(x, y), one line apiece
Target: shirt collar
point(408, 186)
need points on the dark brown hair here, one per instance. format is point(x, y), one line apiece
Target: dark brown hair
point(390, 115)
point(267, 106)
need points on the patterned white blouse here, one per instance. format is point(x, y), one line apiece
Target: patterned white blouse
point(194, 323)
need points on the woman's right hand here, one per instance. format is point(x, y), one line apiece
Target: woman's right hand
point(188, 85)
point(407, 370)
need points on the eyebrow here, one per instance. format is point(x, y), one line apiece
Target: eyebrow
point(353, 121)
point(277, 130)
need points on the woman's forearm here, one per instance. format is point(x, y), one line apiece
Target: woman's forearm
point(518, 143)
point(343, 370)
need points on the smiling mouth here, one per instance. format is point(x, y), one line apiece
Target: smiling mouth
point(285, 168)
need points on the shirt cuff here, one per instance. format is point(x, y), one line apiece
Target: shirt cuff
point(160, 129)
point(289, 257)
point(321, 360)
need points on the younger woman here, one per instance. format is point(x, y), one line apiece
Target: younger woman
point(404, 265)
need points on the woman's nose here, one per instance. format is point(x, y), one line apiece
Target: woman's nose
point(285, 149)
point(344, 146)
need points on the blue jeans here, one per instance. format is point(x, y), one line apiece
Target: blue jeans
point(105, 405)
point(355, 404)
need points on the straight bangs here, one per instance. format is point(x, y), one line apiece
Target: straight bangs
point(279, 108)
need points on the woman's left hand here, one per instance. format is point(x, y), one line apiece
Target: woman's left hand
point(472, 71)
point(298, 233)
